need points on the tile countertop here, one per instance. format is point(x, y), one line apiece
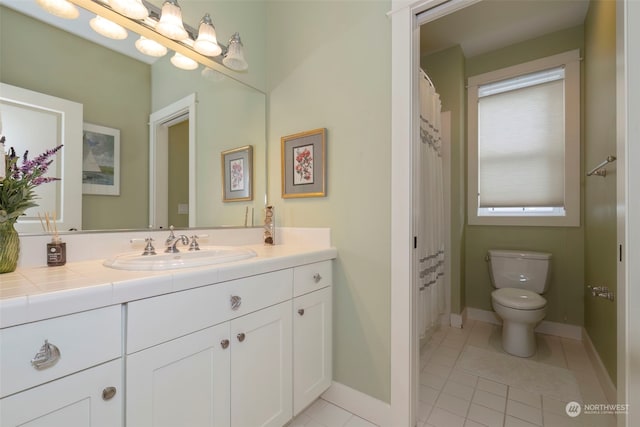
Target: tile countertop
point(37, 293)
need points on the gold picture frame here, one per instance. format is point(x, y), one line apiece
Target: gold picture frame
point(237, 174)
point(303, 163)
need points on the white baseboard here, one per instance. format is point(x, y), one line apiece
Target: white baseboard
point(607, 385)
point(358, 403)
point(458, 320)
point(545, 327)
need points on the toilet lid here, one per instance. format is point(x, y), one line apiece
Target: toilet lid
point(521, 299)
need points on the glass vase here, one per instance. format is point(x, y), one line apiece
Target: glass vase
point(9, 247)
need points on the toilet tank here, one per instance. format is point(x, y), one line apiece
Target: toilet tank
point(520, 269)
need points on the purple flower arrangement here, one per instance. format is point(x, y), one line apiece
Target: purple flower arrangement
point(17, 188)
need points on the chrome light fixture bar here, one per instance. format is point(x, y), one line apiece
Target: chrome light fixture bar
point(146, 27)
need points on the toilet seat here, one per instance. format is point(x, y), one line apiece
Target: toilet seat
point(520, 299)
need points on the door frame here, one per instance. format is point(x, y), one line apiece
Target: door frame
point(404, 63)
point(159, 123)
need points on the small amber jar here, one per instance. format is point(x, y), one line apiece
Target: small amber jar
point(56, 253)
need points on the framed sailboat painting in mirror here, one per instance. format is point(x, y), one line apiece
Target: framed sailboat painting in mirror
point(100, 160)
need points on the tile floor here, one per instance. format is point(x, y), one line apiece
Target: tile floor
point(452, 397)
point(324, 414)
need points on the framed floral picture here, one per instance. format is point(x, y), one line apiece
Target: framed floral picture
point(237, 174)
point(100, 160)
point(303, 164)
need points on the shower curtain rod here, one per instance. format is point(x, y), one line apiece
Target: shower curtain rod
point(426, 76)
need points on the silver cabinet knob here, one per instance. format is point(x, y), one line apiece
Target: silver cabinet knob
point(108, 393)
point(47, 356)
point(317, 277)
point(236, 302)
point(241, 336)
point(224, 344)
point(301, 312)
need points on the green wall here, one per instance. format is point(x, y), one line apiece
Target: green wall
point(446, 70)
point(566, 289)
point(329, 65)
point(600, 193)
point(44, 59)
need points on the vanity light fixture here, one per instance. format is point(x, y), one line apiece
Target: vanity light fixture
point(207, 42)
point(150, 47)
point(183, 62)
point(170, 24)
point(234, 59)
point(108, 28)
point(133, 9)
point(163, 29)
point(60, 8)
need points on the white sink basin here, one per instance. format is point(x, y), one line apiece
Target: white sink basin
point(207, 255)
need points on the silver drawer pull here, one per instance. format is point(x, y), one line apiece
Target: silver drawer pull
point(236, 302)
point(47, 356)
point(224, 344)
point(301, 312)
point(108, 393)
point(241, 336)
point(317, 277)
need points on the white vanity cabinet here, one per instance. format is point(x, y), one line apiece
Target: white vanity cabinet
point(62, 372)
point(261, 368)
point(312, 334)
point(240, 353)
point(220, 355)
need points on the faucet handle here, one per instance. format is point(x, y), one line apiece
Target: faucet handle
point(148, 249)
point(194, 246)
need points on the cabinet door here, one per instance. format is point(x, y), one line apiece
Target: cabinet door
point(311, 347)
point(261, 368)
point(183, 382)
point(76, 400)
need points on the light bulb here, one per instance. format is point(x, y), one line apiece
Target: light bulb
point(60, 8)
point(133, 9)
point(184, 63)
point(234, 59)
point(108, 28)
point(170, 23)
point(150, 47)
point(207, 42)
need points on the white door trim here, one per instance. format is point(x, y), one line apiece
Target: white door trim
point(404, 78)
point(159, 123)
point(628, 197)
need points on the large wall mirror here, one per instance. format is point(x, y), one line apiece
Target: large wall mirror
point(121, 93)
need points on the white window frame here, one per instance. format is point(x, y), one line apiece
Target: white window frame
point(571, 215)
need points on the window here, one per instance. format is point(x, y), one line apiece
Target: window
point(524, 144)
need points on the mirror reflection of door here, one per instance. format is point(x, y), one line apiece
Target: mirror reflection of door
point(178, 169)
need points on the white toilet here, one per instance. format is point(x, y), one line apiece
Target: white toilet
point(519, 278)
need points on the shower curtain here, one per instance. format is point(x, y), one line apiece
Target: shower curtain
point(430, 211)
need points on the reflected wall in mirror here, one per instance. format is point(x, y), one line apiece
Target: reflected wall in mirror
point(120, 92)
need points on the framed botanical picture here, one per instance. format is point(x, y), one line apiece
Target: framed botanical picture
point(100, 160)
point(303, 164)
point(237, 174)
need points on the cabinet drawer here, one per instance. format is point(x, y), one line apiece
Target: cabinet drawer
point(72, 401)
point(166, 317)
point(83, 340)
point(310, 277)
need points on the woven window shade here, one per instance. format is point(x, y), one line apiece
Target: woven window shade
point(521, 141)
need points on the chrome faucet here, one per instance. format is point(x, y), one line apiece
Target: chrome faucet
point(173, 240)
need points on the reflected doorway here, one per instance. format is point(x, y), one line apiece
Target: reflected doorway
point(178, 170)
point(182, 112)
